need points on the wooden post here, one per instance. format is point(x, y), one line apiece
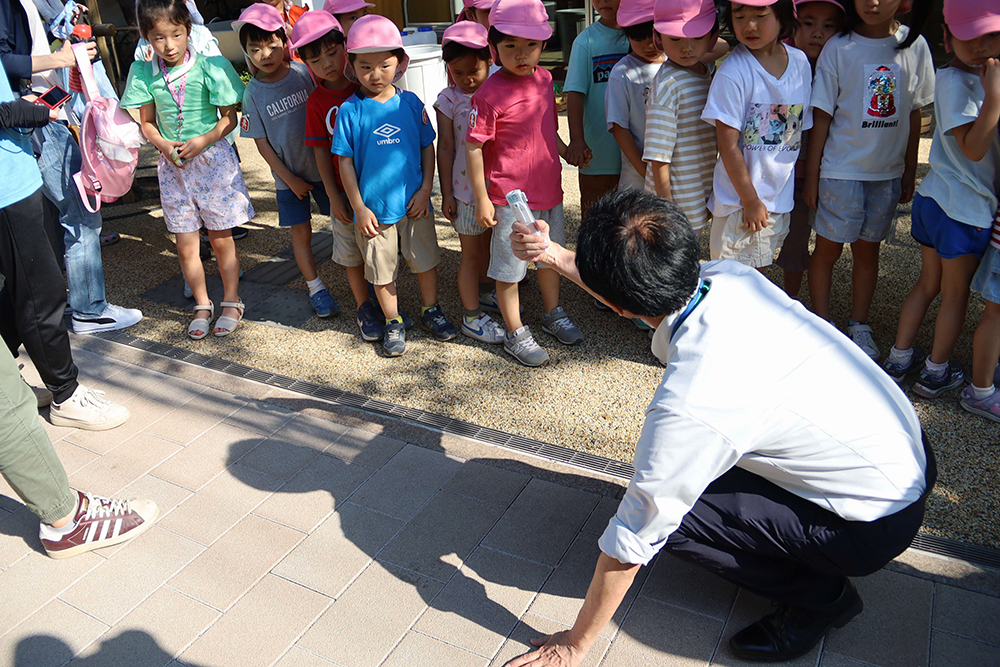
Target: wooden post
point(110, 58)
point(391, 9)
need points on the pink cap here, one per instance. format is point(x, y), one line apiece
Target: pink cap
point(832, 2)
point(757, 3)
point(371, 34)
point(466, 33)
point(478, 4)
point(313, 25)
point(526, 19)
point(262, 15)
point(634, 12)
point(345, 6)
point(684, 18)
point(969, 19)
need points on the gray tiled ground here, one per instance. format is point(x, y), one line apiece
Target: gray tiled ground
point(297, 540)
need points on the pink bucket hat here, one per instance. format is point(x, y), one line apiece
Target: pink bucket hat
point(311, 26)
point(260, 14)
point(526, 19)
point(478, 4)
point(969, 19)
point(371, 34)
point(685, 18)
point(345, 6)
point(634, 12)
point(466, 33)
point(831, 2)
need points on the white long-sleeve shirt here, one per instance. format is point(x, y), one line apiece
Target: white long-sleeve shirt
point(755, 380)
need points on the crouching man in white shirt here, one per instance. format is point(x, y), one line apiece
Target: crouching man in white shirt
point(775, 453)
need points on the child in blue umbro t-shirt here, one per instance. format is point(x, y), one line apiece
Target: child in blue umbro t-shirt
point(385, 145)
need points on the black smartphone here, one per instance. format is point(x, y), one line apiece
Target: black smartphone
point(53, 97)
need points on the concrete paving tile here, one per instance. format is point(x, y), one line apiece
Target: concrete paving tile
point(153, 633)
point(207, 455)
point(369, 619)
point(480, 606)
point(51, 637)
point(950, 651)
point(542, 521)
point(142, 414)
point(829, 659)
point(339, 549)
point(690, 587)
point(747, 609)
point(487, 483)
point(403, 485)
point(166, 495)
point(655, 634)
point(260, 417)
point(297, 657)
point(115, 470)
point(442, 535)
point(210, 408)
point(598, 520)
point(174, 392)
point(282, 458)
point(18, 534)
point(55, 433)
point(32, 582)
point(418, 649)
point(127, 383)
point(127, 578)
point(228, 568)
point(260, 627)
point(369, 449)
point(96, 369)
point(967, 614)
point(562, 595)
point(318, 489)
point(894, 629)
point(220, 504)
point(72, 457)
point(949, 571)
point(533, 627)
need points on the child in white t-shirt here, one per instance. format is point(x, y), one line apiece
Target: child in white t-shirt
point(871, 82)
point(759, 104)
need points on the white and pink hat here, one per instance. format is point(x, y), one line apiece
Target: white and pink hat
point(466, 33)
point(311, 26)
point(371, 34)
point(345, 6)
point(685, 18)
point(263, 16)
point(831, 2)
point(969, 19)
point(526, 19)
point(478, 4)
point(634, 12)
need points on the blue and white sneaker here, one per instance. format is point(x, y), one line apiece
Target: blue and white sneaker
point(370, 321)
point(394, 342)
point(929, 385)
point(898, 370)
point(434, 321)
point(485, 329)
point(559, 325)
point(323, 303)
point(407, 320)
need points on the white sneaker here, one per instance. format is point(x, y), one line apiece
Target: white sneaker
point(87, 410)
point(112, 319)
point(861, 334)
point(484, 328)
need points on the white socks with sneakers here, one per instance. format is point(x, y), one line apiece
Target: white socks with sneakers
point(980, 392)
point(936, 369)
point(898, 356)
point(315, 285)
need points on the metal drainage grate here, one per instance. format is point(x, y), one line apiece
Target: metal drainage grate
point(941, 546)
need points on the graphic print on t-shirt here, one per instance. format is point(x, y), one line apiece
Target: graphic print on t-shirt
point(331, 119)
point(604, 64)
point(387, 132)
point(773, 127)
point(881, 83)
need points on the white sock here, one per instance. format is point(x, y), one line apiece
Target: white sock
point(898, 356)
point(936, 369)
point(315, 285)
point(981, 392)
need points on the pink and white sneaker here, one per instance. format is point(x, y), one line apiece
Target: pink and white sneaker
point(99, 522)
point(988, 407)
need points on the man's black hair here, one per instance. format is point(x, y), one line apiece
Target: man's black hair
point(784, 10)
point(639, 252)
point(148, 12)
point(315, 48)
point(638, 32)
point(454, 51)
point(918, 15)
point(250, 33)
point(399, 53)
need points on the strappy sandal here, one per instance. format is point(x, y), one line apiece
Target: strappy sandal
point(228, 324)
point(202, 324)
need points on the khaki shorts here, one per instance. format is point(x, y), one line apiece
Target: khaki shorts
point(416, 240)
point(731, 240)
point(346, 251)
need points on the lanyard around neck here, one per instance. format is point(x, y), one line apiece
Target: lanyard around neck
point(178, 92)
point(703, 288)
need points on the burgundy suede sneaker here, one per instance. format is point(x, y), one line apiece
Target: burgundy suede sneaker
point(100, 522)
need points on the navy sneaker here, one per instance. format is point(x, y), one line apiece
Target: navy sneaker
point(929, 385)
point(407, 320)
point(898, 370)
point(323, 303)
point(434, 321)
point(370, 321)
point(394, 342)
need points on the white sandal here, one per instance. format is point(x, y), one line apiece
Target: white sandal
point(228, 324)
point(202, 324)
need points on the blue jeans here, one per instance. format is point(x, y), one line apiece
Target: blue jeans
point(82, 229)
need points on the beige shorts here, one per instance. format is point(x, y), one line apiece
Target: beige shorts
point(345, 247)
point(732, 240)
point(416, 240)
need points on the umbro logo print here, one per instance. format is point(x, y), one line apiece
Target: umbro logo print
point(387, 132)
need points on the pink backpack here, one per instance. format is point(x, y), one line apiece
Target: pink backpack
point(109, 142)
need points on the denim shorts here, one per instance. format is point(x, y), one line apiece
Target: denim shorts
point(504, 266)
point(987, 278)
point(933, 228)
point(849, 211)
point(294, 211)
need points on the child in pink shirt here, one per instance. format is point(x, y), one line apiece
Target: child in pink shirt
point(512, 144)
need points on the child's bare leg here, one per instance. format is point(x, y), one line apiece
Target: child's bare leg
point(510, 305)
point(956, 276)
point(302, 247)
point(359, 286)
point(428, 282)
point(229, 267)
point(914, 309)
point(387, 300)
point(821, 274)
point(986, 347)
point(189, 255)
point(864, 278)
point(470, 270)
point(792, 280)
point(548, 284)
point(484, 255)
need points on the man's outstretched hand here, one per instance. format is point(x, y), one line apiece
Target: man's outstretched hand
point(531, 246)
point(555, 651)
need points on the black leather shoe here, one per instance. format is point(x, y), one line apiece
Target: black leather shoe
point(791, 632)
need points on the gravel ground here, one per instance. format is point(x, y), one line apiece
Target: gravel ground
point(591, 397)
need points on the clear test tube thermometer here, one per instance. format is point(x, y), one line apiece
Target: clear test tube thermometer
point(518, 202)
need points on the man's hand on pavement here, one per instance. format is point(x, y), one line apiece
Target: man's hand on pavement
point(555, 651)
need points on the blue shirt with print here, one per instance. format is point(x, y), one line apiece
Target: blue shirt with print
point(18, 169)
point(385, 140)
